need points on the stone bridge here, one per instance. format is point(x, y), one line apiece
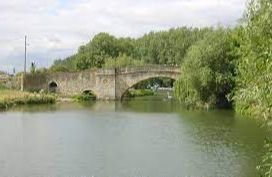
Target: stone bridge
point(107, 84)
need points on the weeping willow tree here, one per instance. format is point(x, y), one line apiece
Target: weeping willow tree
point(207, 72)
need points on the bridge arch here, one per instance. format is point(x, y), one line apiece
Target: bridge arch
point(136, 83)
point(126, 85)
point(89, 92)
point(52, 87)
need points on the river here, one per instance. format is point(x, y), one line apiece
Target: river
point(142, 137)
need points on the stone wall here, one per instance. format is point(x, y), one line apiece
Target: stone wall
point(11, 82)
point(35, 82)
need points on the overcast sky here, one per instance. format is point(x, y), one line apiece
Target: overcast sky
point(56, 28)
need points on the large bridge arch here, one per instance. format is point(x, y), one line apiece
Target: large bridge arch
point(128, 78)
point(129, 86)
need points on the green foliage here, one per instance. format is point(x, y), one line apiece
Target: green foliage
point(59, 68)
point(9, 98)
point(93, 54)
point(139, 92)
point(253, 95)
point(2, 86)
point(265, 168)
point(34, 90)
point(122, 61)
point(165, 47)
point(69, 64)
point(207, 72)
point(85, 96)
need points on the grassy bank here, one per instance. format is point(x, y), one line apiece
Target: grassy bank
point(139, 92)
point(9, 98)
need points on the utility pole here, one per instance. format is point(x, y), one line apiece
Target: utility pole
point(24, 75)
point(25, 57)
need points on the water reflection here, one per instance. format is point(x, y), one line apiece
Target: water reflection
point(138, 137)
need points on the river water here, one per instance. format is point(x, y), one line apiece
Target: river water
point(144, 137)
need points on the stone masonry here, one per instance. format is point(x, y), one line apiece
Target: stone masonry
point(106, 84)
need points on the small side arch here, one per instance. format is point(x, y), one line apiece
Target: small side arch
point(52, 87)
point(88, 95)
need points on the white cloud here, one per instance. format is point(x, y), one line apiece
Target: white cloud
point(57, 27)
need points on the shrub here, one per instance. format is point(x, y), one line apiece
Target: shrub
point(86, 96)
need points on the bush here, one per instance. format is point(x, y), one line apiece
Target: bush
point(86, 96)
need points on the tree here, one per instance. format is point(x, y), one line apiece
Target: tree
point(207, 72)
point(253, 95)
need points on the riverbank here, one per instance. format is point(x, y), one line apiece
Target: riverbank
point(9, 98)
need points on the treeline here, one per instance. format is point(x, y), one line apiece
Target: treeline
point(105, 50)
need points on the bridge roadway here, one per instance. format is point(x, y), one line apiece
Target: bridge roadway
point(106, 84)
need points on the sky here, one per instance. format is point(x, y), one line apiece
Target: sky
point(56, 28)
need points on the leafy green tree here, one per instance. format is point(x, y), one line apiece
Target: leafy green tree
point(69, 64)
point(207, 72)
point(253, 95)
point(104, 44)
